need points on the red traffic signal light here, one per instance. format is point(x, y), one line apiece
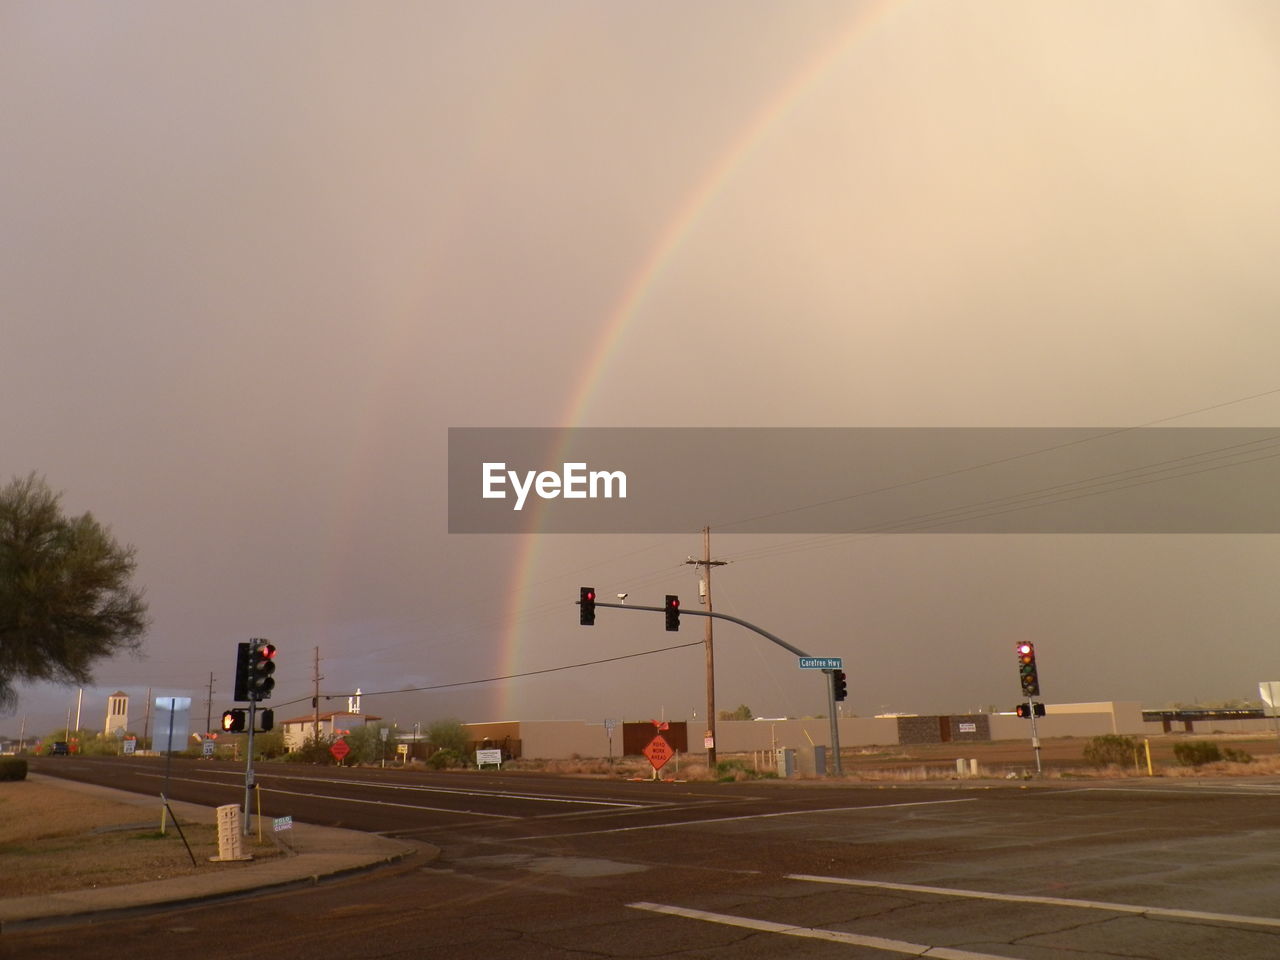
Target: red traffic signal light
point(587, 606)
point(672, 608)
point(262, 657)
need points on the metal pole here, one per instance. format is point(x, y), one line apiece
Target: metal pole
point(836, 768)
point(1035, 740)
point(248, 764)
point(168, 762)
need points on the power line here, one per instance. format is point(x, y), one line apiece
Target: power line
point(509, 676)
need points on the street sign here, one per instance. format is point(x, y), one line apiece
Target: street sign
point(821, 663)
point(658, 752)
point(340, 749)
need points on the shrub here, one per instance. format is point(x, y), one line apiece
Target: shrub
point(1110, 750)
point(1196, 753)
point(13, 768)
point(1236, 756)
point(443, 759)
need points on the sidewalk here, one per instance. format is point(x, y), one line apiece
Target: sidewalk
point(317, 853)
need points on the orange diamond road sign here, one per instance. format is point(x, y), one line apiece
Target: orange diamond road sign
point(339, 750)
point(658, 751)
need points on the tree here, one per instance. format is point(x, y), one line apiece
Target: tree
point(448, 735)
point(66, 598)
point(742, 713)
point(367, 744)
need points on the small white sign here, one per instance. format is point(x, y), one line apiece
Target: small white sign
point(488, 756)
point(209, 747)
point(282, 823)
point(968, 727)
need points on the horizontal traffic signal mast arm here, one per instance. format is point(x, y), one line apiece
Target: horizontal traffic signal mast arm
point(715, 616)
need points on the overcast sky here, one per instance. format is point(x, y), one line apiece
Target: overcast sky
point(256, 260)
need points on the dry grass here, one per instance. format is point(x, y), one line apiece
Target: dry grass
point(55, 839)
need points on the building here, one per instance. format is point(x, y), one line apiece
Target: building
point(298, 730)
point(117, 714)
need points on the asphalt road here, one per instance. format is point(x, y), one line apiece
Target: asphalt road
point(542, 867)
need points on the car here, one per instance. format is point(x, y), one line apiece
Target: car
point(60, 749)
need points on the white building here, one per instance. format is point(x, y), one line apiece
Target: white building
point(298, 730)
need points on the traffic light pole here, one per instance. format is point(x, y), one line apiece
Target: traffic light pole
point(835, 729)
point(248, 766)
point(835, 724)
point(1035, 739)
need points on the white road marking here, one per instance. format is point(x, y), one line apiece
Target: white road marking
point(747, 816)
point(1048, 901)
point(388, 803)
point(818, 933)
point(413, 788)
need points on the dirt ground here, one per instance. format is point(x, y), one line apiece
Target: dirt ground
point(54, 839)
point(1062, 756)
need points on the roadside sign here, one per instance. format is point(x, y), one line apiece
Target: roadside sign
point(821, 663)
point(282, 823)
point(340, 749)
point(207, 748)
point(658, 752)
point(130, 745)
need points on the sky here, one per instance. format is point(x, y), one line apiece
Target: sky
point(256, 261)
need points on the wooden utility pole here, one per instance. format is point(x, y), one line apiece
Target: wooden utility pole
point(704, 596)
point(208, 708)
point(315, 699)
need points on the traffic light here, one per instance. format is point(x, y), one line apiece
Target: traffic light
point(233, 721)
point(587, 606)
point(262, 664)
point(1025, 710)
point(673, 612)
point(839, 684)
point(242, 673)
point(1027, 669)
point(267, 719)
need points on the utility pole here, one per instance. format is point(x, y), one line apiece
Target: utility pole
point(704, 596)
point(146, 720)
point(208, 707)
point(315, 699)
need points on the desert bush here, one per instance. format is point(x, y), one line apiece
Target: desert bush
point(13, 768)
point(1196, 753)
point(1110, 750)
point(446, 759)
point(1236, 756)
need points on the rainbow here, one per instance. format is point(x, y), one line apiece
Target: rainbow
point(662, 253)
